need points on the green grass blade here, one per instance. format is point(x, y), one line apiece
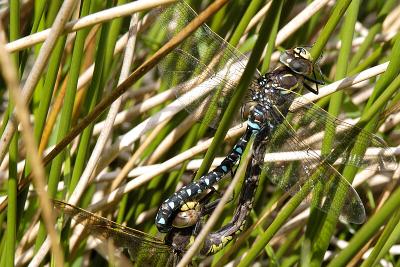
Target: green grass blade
point(11, 230)
point(319, 232)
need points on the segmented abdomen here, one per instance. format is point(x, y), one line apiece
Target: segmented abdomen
point(172, 204)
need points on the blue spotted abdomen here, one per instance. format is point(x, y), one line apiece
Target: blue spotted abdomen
point(173, 204)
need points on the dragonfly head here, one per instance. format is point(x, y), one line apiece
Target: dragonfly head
point(300, 61)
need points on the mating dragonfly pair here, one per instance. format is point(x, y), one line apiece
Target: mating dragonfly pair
point(279, 118)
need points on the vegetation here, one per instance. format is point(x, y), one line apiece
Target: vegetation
point(100, 128)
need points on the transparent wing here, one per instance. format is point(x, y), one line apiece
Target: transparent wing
point(310, 122)
point(311, 170)
point(202, 60)
point(143, 248)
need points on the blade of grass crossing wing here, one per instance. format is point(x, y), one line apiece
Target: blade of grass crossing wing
point(314, 233)
point(359, 149)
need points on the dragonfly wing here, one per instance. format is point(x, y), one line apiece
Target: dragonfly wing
point(203, 60)
point(312, 122)
point(339, 197)
point(143, 248)
point(307, 172)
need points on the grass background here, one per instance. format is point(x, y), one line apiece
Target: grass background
point(61, 81)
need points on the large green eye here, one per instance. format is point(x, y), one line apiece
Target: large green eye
point(300, 66)
point(297, 60)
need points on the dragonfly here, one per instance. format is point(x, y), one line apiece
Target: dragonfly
point(275, 87)
point(278, 109)
point(147, 250)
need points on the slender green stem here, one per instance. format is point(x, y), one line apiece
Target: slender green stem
point(319, 231)
point(337, 13)
point(248, 15)
point(271, 40)
point(372, 32)
point(387, 239)
point(11, 233)
point(369, 229)
point(103, 62)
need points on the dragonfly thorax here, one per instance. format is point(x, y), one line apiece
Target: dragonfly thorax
point(277, 87)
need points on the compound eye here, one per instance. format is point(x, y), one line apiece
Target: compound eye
point(300, 66)
point(302, 52)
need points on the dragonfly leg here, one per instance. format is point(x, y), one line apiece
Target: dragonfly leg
point(219, 239)
point(197, 228)
point(312, 90)
point(207, 209)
